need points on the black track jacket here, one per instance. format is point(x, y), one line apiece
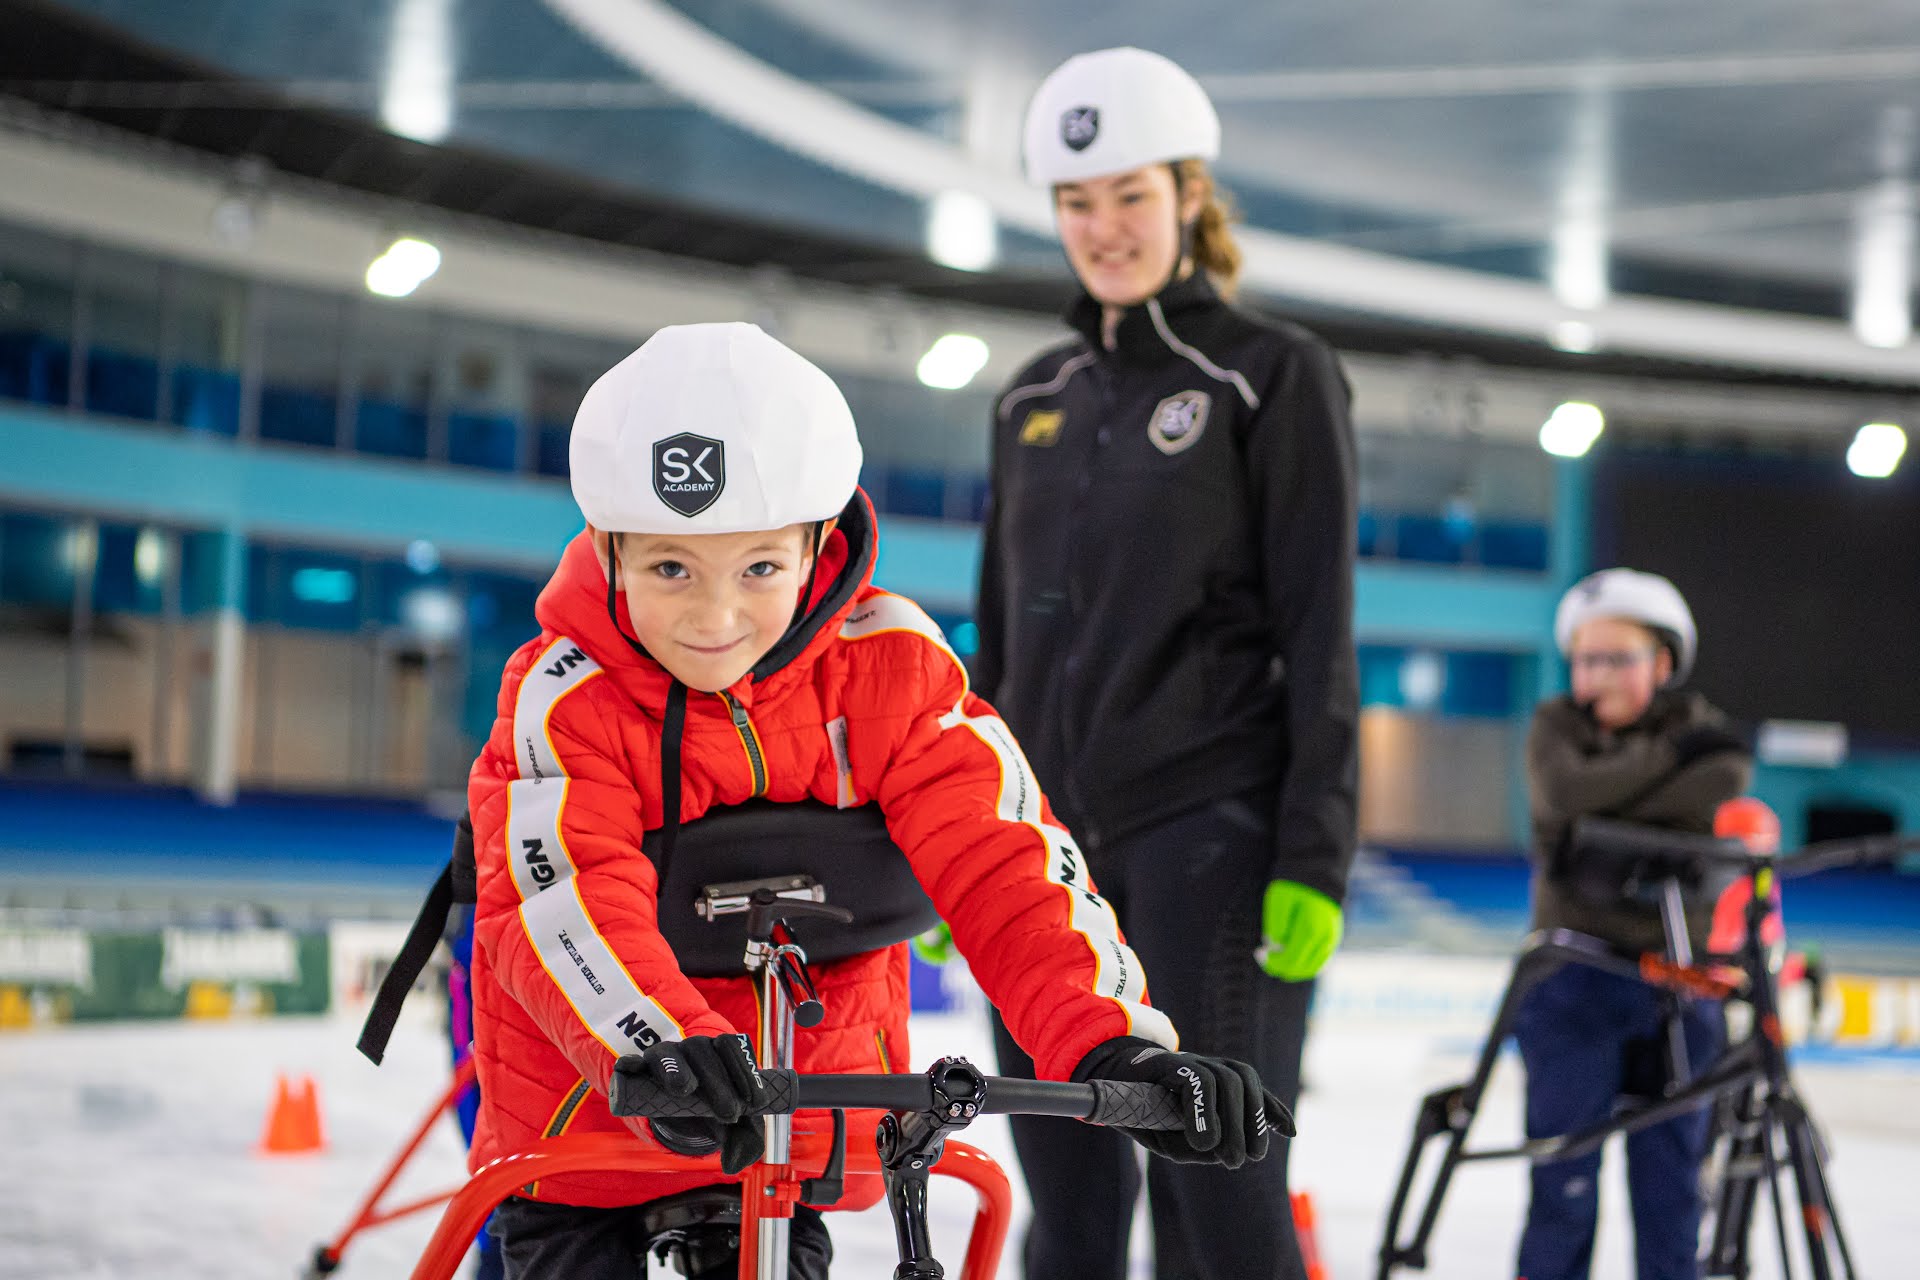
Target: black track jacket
point(1166, 594)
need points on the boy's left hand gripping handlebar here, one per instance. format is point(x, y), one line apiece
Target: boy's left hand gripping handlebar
point(634, 1092)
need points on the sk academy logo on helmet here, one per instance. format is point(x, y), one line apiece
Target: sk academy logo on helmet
point(1178, 420)
point(689, 472)
point(1079, 126)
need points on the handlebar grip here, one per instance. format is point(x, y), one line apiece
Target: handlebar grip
point(1134, 1104)
point(634, 1092)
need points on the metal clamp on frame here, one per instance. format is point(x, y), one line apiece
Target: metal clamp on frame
point(909, 1143)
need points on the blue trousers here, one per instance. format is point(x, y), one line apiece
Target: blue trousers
point(1587, 1039)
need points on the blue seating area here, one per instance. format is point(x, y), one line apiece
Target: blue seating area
point(54, 829)
point(34, 367)
point(1513, 546)
point(298, 417)
point(1876, 906)
point(122, 386)
point(207, 400)
point(482, 440)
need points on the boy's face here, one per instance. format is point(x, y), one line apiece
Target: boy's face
point(708, 606)
point(1617, 666)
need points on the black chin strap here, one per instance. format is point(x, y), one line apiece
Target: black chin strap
point(805, 602)
point(673, 731)
point(613, 590)
point(673, 728)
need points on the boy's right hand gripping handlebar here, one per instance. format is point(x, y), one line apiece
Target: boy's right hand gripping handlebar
point(633, 1091)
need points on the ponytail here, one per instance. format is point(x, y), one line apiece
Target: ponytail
point(1213, 247)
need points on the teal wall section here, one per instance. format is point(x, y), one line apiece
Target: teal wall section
point(1885, 780)
point(284, 493)
point(279, 492)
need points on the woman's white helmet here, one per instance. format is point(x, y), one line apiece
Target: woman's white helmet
point(1645, 598)
point(1114, 110)
point(712, 428)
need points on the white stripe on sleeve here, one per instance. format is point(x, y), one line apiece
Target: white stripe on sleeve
point(1118, 975)
point(576, 957)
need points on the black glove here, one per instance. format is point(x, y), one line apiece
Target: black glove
point(1706, 740)
point(720, 1071)
point(1228, 1114)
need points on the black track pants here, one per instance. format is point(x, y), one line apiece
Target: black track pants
point(1188, 894)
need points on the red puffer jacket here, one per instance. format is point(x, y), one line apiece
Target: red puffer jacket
point(862, 704)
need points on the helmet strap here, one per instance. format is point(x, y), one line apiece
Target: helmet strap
point(805, 601)
point(613, 580)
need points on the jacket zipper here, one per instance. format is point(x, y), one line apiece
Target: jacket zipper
point(1105, 374)
point(750, 740)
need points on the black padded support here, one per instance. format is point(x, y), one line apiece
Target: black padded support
point(848, 851)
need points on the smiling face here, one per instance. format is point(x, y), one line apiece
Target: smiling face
point(1121, 232)
point(708, 606)
point(1617, 666)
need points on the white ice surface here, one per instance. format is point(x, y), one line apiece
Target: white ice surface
point(127, 1151)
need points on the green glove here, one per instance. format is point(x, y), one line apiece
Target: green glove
point(935, 946)
point(1302, 927)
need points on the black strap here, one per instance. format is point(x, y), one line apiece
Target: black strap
point(672, 730)
point(425, 935)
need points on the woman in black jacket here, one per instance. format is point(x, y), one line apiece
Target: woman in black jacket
point(1165, 617)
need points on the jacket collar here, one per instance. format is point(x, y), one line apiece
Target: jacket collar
point(574, 604)
point(1139, 336)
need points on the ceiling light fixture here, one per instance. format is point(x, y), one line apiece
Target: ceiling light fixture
point(962, 232)
point(1876, 450)
point(951, 363)
point(403, 268)
point(1571, 429)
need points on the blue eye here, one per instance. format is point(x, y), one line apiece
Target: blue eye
point(670, 569)
point(762, 569)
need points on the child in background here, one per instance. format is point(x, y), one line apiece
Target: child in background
point(1626, 743)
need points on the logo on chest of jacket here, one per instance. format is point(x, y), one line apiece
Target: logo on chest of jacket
point(1178, 420)
point(1042, 427)
point(689, 472)
point(1079, 126)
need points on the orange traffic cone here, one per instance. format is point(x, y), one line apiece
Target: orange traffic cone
point(293, 1121)
point(1303, 1230)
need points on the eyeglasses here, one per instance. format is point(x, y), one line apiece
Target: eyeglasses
point(1609, 659)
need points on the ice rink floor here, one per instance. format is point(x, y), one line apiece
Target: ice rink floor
point(126, 1152)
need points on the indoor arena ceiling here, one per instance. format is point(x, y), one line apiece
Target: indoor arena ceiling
point(1750, 154)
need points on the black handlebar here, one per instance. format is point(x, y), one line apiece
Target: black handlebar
point(1609, 837)
point(1128, 1104)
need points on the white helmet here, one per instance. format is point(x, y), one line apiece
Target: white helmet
point(712, 428)
point(1115, 110)
point(1645, 598)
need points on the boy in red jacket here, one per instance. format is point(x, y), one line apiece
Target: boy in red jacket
point(714, 637)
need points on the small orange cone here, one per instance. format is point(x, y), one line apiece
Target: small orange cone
point(1304, 1231)
point(293, 1121)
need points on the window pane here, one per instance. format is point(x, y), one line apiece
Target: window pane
point(207, 324)
point(123, 334)
point(393, 367)
point(301, 337)
point(486, 387)
point(37, 276)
